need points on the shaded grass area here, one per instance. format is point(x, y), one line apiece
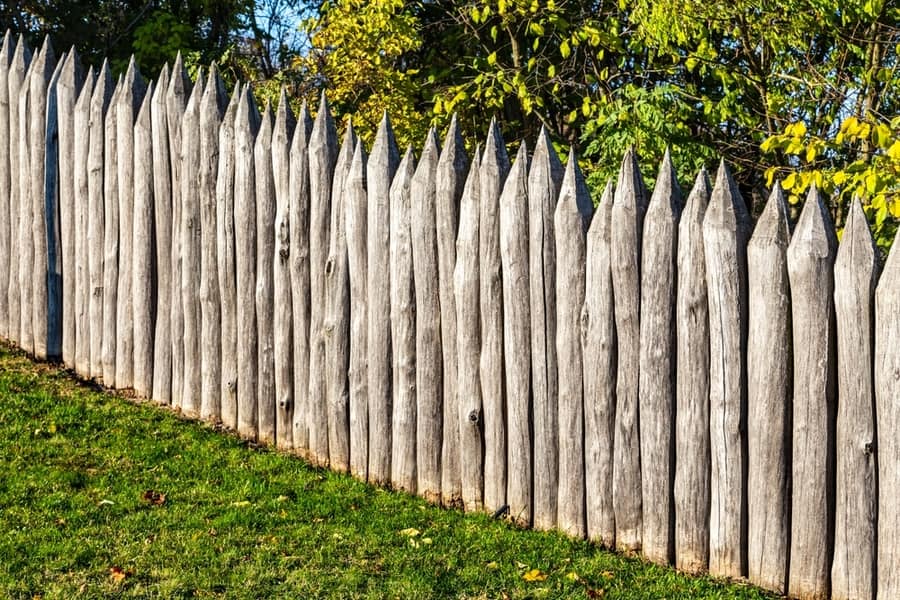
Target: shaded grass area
point(101, 497)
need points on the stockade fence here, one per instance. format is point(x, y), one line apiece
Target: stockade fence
point(657, 375)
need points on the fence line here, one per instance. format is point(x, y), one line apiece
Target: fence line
point(657, 375)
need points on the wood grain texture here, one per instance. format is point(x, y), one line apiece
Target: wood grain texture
point(769, 382)
point(598, 331)
point(25, 271)
point(810, 260)
point(100, 102)
point(726, 228)
point(403, 330)
point(571, 221)
point(81, 139)
point(544, 181)
point(110, 238)
point(380, 171)
point(143, 248)
point(50, 329)
point(629, 206)
point(854, 570)
point(6, 211)
point(517, 338)
point(692, 392)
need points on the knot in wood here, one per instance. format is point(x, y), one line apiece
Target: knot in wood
point(473, 416)
point(284, 404)
point(284, 253)
point(232, 384)
point(869, 448)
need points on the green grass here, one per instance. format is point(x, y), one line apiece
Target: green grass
point(241, 522)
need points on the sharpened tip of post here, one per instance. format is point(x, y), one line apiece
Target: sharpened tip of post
point(773, 227)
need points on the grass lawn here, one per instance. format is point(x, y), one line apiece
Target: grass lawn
point(82, 515)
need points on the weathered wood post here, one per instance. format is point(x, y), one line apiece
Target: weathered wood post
point(544, 181)
point(128, 103)
point(629, 206)
point(853, 572)
point(323, 151)
point(300, 266)
point(659, 255)
point(769, 383)
point(598, 331)
point(246, 126)
point(81, 139)
point(379, 173)
point(429, 363)
point(25, 242)
point(403, 330)
point(516, 337)
point(110, 238)
point(6, 210)
point(283, 341)
point(212, 107)
point(494, 168)
point(355, 230)
point(187, 219)
point(810, 261)
point(451, 177)
point(571, 222)
point(225, 257)
point(67, 92)
point(692, 412)
point(50, 329)
point(337, 316)
point(101, 98)
point(468, 346)
point(887, 408)
point(265, 260)
point(143, 248)
point(726, 228)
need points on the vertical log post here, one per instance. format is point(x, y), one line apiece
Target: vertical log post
point(143, 247)
point(81, 139)
point(51, 328)
point(162, 232)
point(110, 238)
point(6, 210)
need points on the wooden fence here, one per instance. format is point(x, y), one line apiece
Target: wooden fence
point(658, 375)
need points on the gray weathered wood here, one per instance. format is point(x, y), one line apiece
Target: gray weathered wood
point(544, 180)
point(355, 230)
point(162, 218)
point(212, 107)
point(468, 346)
point(810, 260)
point(225, 257)
point(128, 103)
point(516, 337)
point(246, 126)
point(659, 254)
point(403, 330)
point(494, 168)
point(429, 363)
point(283, 342)
point(887, 407)
point(265, 258)
point(100, 102)
point(50, 329)
point(692, 411)
point(726, 228)
point(81, 138)
point(6, 210)
point(25, 242)
point(598, 323)
point(143, 272)
point(769, 397)
point(300, 265)
point(451, 177)
point(187, 218)
point(110, 238)
point(571, 221)
point(853, 571)
point(323, 151)
point(380, 171)
point(629, 206)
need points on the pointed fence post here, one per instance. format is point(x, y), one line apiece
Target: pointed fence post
point(769, 383)
point(726, 228)
point(265, 257)
point(380, 171)
point(853, 571)
point(355, 230)
point(225, 258)
point(110, 238)
point(162, 232)
point(51, 327)
point(212, 107)
point(429, 362)
point(692, 411)
point(494, 168)
point(468, 332)
point(143, 246)
point(281, 284)
point(629, 206)
point(598, 323)
point(6, 210)
point(810, 261)
point(544, 181)
point(25, 242)
point(81, 138)
point(516, 337)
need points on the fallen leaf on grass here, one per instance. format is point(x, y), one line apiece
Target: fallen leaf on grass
point(534, 575)
point(117, 575)
point(154, 498)
point(410, 532)
point(241, 503)
point(596, 593)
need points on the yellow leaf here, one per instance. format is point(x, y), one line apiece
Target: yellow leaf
point(895, 209)
point(790, 181)
point(894, 151)
point(850, 126)
point(410, 532)
point(534, 575)
point(810, 153)
point(564, 49)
